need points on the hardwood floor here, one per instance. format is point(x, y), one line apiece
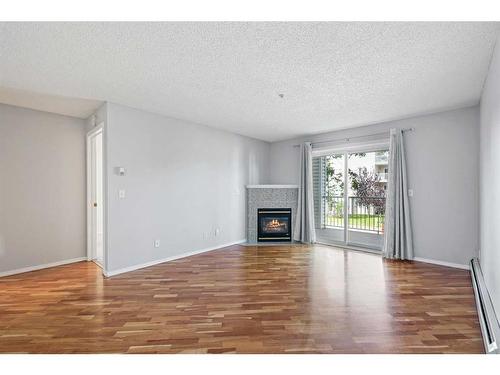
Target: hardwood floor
point(281, 299)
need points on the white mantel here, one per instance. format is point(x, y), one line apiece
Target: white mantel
point(272, 186)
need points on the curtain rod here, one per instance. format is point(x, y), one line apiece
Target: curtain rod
point(347, 139)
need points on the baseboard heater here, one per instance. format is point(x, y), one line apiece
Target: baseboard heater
point(487, 317)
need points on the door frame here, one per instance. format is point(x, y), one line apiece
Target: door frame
point(345, 150)
point(91, 252)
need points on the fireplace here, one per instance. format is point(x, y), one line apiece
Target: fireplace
point(274, 224)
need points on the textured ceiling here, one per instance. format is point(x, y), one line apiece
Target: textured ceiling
point(229, 75)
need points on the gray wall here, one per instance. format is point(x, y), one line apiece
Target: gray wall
point(442, 157)
point(183, 181)
point(490, 180)
point(42, 188)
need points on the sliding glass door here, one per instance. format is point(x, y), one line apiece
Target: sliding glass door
point(349, 197)
point(329, 174)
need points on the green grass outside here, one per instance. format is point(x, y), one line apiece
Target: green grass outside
point(362, 222)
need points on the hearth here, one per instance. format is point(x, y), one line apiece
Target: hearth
point(274, 224)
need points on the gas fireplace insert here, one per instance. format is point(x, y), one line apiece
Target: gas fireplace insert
point(274, 224)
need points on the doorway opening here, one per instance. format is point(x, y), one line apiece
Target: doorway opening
point(349, 197)
point(95, 197)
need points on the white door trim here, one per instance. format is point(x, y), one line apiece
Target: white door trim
point(99, 129)
point(345, 151)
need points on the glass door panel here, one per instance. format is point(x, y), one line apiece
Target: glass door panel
point(329, 198)
point(349, 198)
point(366, 186)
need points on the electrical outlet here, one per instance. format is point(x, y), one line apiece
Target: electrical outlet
point(410, 192)
point(157, 243)
point(121, 194)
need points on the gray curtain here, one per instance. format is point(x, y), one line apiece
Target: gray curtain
point(304, 222)
point(398, 242)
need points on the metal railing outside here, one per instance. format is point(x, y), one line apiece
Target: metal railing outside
point(363, 213)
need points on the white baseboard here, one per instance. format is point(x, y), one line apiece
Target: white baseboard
point(416, 259)
point(442, 263)
point(42, 266)
point(163, 260)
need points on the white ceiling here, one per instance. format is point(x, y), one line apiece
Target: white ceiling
point(228, 75)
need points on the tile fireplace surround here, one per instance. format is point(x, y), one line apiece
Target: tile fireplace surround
point(268, 196)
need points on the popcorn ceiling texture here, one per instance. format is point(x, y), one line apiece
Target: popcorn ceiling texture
point(268, 198)
point(229, 75)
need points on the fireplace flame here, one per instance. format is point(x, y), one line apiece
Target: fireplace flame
point(274, 224)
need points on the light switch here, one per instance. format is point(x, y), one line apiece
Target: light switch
point(121, 194)
point(410, 192)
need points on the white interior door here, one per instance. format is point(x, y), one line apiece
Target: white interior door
point(95, 196)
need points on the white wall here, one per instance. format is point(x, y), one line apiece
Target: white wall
point(442, 157)
point(42, 188)
point(182, 180)
point(490, 180)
